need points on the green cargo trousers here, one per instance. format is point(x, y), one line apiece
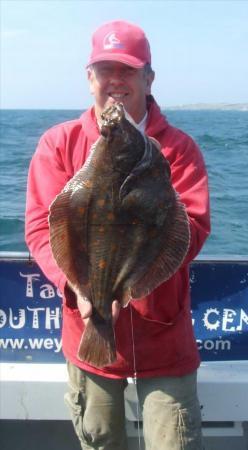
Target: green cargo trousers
point(170, 407)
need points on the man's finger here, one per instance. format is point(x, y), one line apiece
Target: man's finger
point(85, 307)
point(115, 310)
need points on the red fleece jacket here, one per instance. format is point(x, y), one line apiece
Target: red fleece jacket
point(162, 335)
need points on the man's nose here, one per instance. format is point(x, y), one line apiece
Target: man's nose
point(117, 75)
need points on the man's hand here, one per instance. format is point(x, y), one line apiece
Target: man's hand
point(85, 308)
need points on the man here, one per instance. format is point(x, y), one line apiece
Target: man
point(154, 336)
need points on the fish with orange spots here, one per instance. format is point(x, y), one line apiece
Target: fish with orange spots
point(118, 228)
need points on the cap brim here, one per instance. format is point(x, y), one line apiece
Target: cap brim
point(119, 57)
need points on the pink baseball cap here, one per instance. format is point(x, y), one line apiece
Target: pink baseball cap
point(120, 41)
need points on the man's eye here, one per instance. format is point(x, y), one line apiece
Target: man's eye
point(104, 71)
point(129, 71)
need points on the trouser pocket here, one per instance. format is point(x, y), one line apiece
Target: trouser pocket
point(96, 405)
point(75, 402)
point(171, 413)
point(173, 428)
point(189, 425)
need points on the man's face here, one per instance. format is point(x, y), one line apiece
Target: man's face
point(112, 82)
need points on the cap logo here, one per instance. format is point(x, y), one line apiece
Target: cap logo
point(111, 41)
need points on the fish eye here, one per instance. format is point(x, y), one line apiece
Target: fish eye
point(109, 129)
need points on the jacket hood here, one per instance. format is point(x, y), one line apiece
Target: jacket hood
point(89, 124)
point(156, 121)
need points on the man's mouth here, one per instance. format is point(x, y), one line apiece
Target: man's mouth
point(118, 96)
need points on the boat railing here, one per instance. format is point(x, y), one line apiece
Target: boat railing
point(31, 355)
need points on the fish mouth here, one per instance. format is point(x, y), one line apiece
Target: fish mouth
point(111, 118)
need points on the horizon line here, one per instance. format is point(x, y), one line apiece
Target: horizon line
point(198, 105)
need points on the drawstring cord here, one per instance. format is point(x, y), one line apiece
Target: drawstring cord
point(135, 376)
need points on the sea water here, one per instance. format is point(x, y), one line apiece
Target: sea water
point(221, 135)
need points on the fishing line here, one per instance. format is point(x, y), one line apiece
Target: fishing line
point(135, 376)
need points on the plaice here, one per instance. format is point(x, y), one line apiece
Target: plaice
point(118, 228)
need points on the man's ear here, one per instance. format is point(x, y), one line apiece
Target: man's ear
point(89, 73)
point(90, 79)
point(149, 80)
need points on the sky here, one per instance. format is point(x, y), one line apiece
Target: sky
point(199, 50)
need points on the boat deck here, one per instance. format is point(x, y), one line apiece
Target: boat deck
point(59, 435)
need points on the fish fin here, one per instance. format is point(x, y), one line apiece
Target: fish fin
point(173, 251)
point(68, 230)
point(97, 345)
point(155, 142)
point(126, 298)
point(142, 165)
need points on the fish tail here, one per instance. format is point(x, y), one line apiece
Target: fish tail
point(97, 345)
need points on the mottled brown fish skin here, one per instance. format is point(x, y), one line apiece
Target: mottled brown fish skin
point(119, 208)
point(119, 229)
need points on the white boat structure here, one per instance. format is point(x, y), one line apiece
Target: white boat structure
point(33, 373)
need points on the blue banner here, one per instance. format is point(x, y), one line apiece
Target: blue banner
point(219, 292)
point(30, 312)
